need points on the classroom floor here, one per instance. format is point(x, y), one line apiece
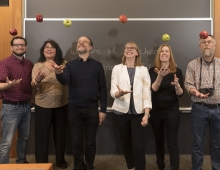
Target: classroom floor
point(117, 162)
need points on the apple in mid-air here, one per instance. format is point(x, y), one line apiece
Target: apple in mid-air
point(203, 34)
point(13, 31)
point(166, 37)
point(67, 22)
point(39, 17)
point(123, 18)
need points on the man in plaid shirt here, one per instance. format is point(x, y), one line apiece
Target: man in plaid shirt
point(202, 82)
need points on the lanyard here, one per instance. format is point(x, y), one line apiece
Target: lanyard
point(200, 77)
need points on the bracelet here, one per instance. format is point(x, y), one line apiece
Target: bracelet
point(36, 82)
point(146, 113)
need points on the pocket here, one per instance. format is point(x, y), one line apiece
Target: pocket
point(196, 106)
point(8, 107)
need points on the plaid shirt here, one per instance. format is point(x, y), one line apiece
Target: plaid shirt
point(209, 73)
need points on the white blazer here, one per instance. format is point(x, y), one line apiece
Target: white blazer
point(141, 88)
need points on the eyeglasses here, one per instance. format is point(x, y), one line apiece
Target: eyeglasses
point(83, 42)
point(130, 48)
point(48, 48)
point(17, 45)
point(204, 42)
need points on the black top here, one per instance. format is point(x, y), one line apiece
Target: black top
point(131, 73)
point(166, 94)
point(86, 82)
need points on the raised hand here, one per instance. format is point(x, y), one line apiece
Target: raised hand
point(198, 94)
point(13, 83)
point(162, 72)
point(122, 92)
point(58, 69)
point(40, 76)
point(175, 82)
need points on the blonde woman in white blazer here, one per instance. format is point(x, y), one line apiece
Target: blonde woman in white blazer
point(131, 89)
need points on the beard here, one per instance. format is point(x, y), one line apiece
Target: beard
point(82, 51)
point(208, 53)
point(19, 54)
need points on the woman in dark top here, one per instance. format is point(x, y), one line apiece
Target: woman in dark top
point(167, 86)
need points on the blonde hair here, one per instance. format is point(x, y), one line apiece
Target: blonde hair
point(137, 58)
point(172, 64)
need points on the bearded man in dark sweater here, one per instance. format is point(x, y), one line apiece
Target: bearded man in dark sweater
point(87, 86)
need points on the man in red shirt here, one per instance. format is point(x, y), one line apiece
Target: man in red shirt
point(15, 70)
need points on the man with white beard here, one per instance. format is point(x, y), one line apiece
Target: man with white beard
point(202, 83)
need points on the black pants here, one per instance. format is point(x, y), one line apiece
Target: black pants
point(165, 124)
point(44, 119)
point(134, 139)
point(83, 121)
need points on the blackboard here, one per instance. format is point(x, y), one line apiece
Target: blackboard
point(114, 8)
point(109, 38)
point(4, 3)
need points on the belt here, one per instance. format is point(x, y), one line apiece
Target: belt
point(15, 103)
point(210, 106)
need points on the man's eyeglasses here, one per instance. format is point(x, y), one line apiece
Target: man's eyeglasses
point(130, 48)
point(208, 42)
point(17, 45)
point(83, 42)
point(48, 48)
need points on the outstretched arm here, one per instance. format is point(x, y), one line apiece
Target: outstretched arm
point(9, 84)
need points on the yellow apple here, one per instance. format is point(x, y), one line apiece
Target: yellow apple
point(67, 22)
point(166, 37)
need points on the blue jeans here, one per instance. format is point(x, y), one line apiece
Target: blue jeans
point(14, 117)
point(202, 118)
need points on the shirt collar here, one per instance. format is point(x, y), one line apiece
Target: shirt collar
point(80, 59)
point(16, 59)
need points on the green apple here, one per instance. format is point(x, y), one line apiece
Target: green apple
point(67, 22)
point(166, 37)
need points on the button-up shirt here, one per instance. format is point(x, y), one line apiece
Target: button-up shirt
point(210, 78)
point(14, 69)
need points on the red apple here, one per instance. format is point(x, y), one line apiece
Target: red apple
point(123, 18)
point(203, 34)
point(39, 17)
point(13, 31)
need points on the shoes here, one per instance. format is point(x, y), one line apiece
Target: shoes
point(24, 162)
point(63, 165)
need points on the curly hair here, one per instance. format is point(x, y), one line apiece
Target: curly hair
point(59, 54)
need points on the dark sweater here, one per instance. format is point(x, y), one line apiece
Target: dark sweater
point(86, 82)
point(166, 95)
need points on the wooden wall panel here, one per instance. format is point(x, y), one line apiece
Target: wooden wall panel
point(217, 26)
point(10, 17)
